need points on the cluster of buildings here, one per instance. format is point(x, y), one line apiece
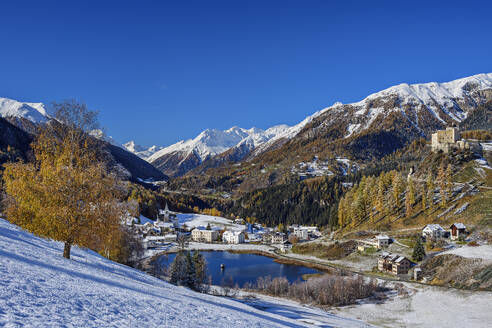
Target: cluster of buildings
point(163, 229)
point(435, 231)
point(304, 232)
point(166, 229)
point(397, 264)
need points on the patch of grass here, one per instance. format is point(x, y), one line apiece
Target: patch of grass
point(368, 251)
point(410, 242)
point(467, 173)
point(330, 252)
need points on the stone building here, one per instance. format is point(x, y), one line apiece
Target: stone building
point(447, 139)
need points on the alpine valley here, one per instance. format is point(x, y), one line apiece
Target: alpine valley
point(332, 141)
point(287, 174)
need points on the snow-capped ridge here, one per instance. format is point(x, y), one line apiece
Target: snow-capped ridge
point(34, 112)
point(141, 151)
point(211, 142)
point(441, 92)
point(439, 99)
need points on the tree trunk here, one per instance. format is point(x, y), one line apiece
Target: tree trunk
point(66, 250)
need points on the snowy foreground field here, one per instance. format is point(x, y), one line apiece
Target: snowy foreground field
point(39, 288)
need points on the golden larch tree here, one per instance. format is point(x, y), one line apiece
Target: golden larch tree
point(67, 194)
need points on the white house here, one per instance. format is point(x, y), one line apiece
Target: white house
point(233, 237)
point(300, 233)
point(433, 231)
point(382, 241)
point(201, 234)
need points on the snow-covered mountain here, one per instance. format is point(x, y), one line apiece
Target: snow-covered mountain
point(412, 110)
point(141, 151)
point(420, 104)
point(183, 156)
point(34, 112)
point(440, 102)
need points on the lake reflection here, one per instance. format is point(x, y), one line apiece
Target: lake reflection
point(242, 268)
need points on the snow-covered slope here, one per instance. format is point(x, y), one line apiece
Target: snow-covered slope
point(40, 288)
point(141, 151)
point(287, 133)
point(185, 155)
point(441, 103)
point(34, 112)
point(211, 142)
point(99, 134)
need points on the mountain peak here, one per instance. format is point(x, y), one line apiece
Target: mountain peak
point(34, 112)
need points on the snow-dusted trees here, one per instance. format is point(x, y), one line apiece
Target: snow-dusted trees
point(189, 270)
point(66, 193)
point(178, 270)
point(200, 268)
point(325, 290)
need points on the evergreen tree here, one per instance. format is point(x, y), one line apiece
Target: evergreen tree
point(178, 269)
point(424, 196)
point(430, 189)
point(190, 276)
point(441, 177)
point(200, 269)
point(341, 213)
point(418, 250)
point(449, 183)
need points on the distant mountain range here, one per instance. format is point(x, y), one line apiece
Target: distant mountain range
point(376, 125)
point(183, 156)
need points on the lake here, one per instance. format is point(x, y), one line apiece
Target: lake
point(242, 268)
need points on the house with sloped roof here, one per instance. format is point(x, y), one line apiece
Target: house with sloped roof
point(382, 241)
point(393, 263)
point(433, 231)
point(456, 230)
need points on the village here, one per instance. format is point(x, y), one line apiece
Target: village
point(170, 226)
point(381, 255)
point(388, 254)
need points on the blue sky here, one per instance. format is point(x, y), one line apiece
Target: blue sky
point(162, 71)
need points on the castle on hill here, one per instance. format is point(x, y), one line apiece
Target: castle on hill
point(447, 139)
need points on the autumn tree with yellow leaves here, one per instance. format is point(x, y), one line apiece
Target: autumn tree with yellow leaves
point(67, 193)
